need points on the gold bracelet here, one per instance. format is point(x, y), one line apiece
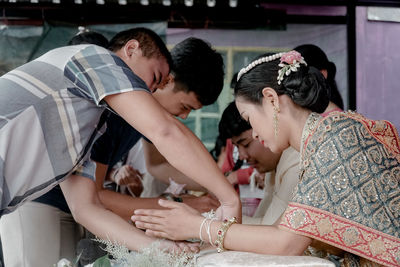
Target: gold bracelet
point(219, 242)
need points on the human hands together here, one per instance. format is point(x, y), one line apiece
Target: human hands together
point(177, 222)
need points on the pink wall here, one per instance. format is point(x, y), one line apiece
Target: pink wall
point(378, 72)
point(308, 10)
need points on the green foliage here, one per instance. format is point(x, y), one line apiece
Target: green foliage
point(102, 262)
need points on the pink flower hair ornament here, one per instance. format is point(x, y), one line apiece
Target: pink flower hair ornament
point(290, 61)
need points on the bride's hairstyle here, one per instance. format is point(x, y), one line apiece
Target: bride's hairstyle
point(306, 86)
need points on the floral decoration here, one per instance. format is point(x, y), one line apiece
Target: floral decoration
point(290, 61)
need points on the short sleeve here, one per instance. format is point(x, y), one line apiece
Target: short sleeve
point(87, 169)
point(95, 72)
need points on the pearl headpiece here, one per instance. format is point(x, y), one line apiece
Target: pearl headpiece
point(258, 62)
point(290, 61)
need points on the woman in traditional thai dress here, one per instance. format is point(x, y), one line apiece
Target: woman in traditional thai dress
point(347, 202)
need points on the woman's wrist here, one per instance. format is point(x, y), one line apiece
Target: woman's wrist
point(198, 228)
point(231, 199)
point(219, 241)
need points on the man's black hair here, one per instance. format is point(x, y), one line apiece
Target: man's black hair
point(89, 37)
point(150, 43)
point(198, 68)
point(231, 123)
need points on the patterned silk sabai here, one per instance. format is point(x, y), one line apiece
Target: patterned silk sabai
point(349, 192)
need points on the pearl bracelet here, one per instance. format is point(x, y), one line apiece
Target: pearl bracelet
point(219, 242)
point(208, 229)
point(201, 228)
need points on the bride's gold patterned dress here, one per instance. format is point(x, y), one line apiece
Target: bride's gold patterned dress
point(349, 193)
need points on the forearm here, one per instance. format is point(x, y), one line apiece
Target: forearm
point(160, 168)
point(165, 170)
point(192, 158)
point(251, 238)
point(174, 141)
point(124, 205)
point(107, 225)
point(84, 203)
point(262, 239)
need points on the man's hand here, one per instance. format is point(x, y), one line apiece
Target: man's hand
point(126, 175)
point(177, 221)
point(132, 178)
point(201, 204)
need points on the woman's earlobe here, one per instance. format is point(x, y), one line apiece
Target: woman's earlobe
point(269, 94)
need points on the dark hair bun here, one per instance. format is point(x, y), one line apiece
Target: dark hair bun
point(307, 88)
point(331, 68)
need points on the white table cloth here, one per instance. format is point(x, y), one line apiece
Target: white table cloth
point(236, 258)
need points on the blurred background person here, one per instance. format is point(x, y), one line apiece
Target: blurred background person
point(316, 57)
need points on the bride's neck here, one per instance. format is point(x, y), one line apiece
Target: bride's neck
point(299, 118)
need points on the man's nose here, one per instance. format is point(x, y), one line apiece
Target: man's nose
point(184, 115)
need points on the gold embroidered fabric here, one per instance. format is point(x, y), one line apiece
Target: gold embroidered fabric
point(349, 195)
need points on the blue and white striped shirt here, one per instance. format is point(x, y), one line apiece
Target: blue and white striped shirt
point(49, 110)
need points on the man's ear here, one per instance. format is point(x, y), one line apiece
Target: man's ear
point(131, 47)
point(270, 96)
point(169, 79)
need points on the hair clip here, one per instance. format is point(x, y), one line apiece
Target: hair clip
point(290, 61)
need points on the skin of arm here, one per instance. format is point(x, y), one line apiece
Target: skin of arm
point(181, 222)
point(86, 208)
point(124, 205)
point(160, 169)
point(177, 143)
point(262, 239)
